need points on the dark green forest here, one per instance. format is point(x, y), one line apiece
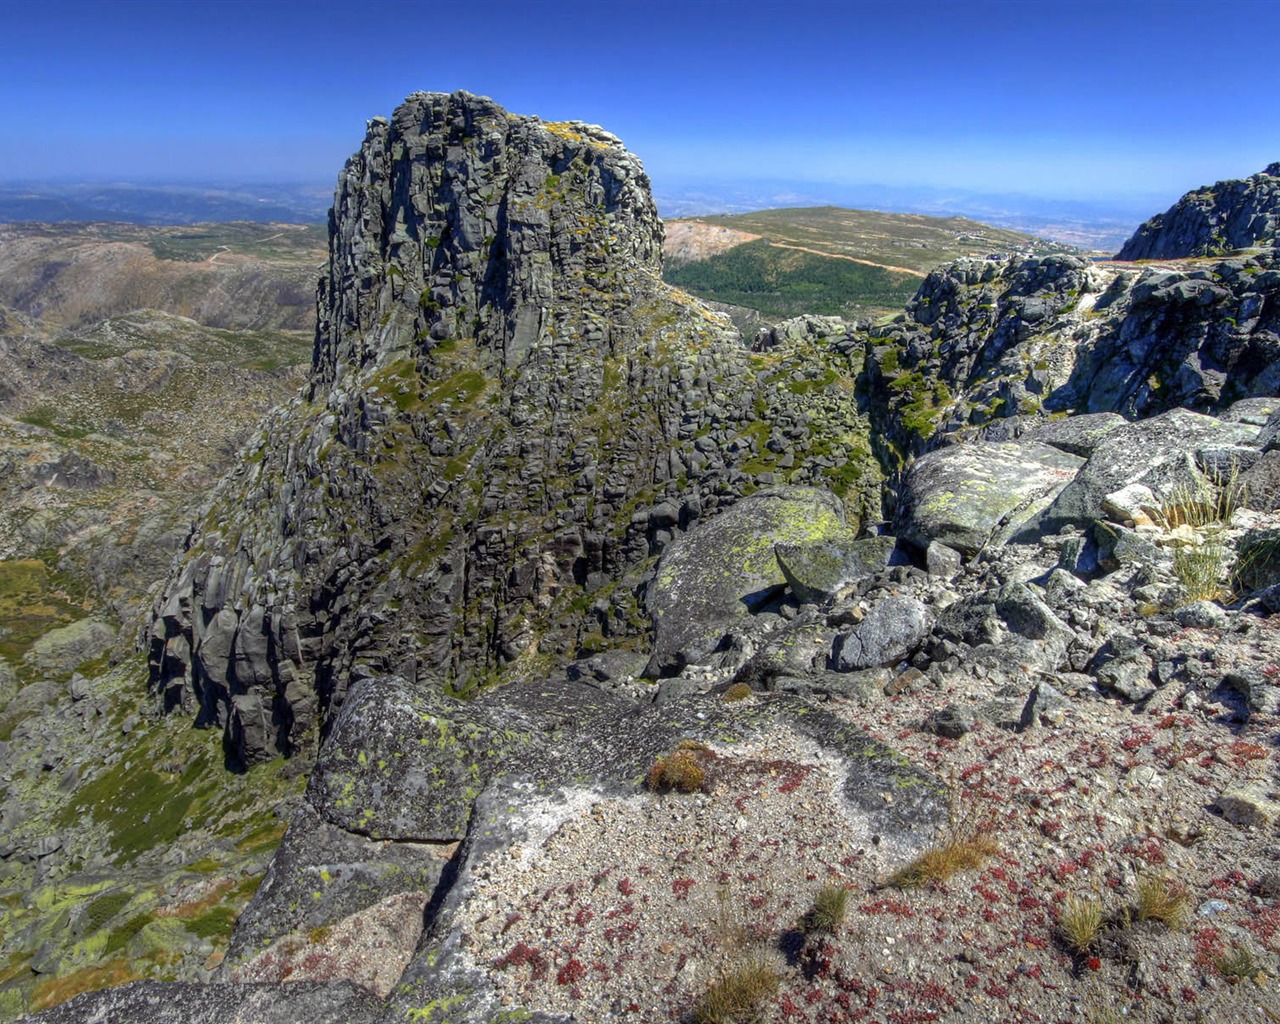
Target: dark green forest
point(785, 282)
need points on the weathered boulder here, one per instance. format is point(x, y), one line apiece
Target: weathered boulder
point(1158, 453)
point(405, 762)
point(712, 578)
point(891, 631)
point(972, 495)
point(815, 572)
point(1258, 559)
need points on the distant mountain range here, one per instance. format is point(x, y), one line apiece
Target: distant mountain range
point(165, 204)
point(1101, 224)
point(1088, 224)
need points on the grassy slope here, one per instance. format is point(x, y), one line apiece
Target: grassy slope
point(779, 281)
point(785, 282)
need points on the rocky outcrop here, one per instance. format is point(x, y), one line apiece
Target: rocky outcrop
point(1212, 221)
point(508, 415)
point(992, 350)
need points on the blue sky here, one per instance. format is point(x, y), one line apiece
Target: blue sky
point(1075, 100)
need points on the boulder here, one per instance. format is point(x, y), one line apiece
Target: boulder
point(1258, 559)
point(816, 571)
point(712, 578)
point(972, 495)
point(1158, 453)
point(405, 762)
point(891, 631)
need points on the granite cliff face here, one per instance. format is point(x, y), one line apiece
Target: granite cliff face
point(1212, 221)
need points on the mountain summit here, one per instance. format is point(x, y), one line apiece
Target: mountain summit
point(1212, 221)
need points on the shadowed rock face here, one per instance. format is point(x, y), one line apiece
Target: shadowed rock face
point(1212, 221)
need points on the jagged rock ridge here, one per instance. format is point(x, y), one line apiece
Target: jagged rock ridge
point(1212, 221)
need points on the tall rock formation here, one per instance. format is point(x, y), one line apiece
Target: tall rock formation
point(508, 415)
point(1212, 221)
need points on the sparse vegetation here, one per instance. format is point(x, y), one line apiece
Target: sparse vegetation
point(1080, 922)
point(1199, 569)
point(738, 995)
point(677, 771)
point(827, 914)
point(940, 862)
point(1238, 964)
point(1162, 899)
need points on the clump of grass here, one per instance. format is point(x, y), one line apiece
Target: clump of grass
point(1238, 964)
point(1187, 505)
point(1162, 899)
point(738, 691)
point(1080, 922)
point(828, 910)
point(738, 995)
point(678, 771)
point(1199, 569)
point(940, 862)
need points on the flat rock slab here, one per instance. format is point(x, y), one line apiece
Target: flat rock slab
point(405, 762)
point(322, 876)
point(154, 1002)
point(715, 576)
point(972, 495)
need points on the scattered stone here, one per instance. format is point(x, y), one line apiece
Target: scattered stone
point(1248, 803)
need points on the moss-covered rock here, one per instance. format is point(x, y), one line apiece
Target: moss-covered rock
point(715, 576)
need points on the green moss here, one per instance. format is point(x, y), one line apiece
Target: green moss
point(214, 922)
point(119, 937)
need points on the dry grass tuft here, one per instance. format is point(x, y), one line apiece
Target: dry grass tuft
point(679, 771)
point(1080, 923)
point(1200, 569)
point(1162, 899)
point(738, 995)
point(938, 863)
point(828, 911)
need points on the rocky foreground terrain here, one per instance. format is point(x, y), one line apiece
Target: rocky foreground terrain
point(913, 670)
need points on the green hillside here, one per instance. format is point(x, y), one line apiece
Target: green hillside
point(786, 282)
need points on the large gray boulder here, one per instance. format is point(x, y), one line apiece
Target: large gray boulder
point(712, 578)
point(892, 629)
point(816, 571)
point(972, 495)
point(1158, 453)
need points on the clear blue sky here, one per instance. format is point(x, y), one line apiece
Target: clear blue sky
point(1070, 99)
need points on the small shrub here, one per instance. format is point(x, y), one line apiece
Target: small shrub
point(1237, 965)
point(938, 863)
point(1080, 923)
point(738, 691)
point(679, 771)
point(1162, 899)
point(828, 910)
point(738, 995)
